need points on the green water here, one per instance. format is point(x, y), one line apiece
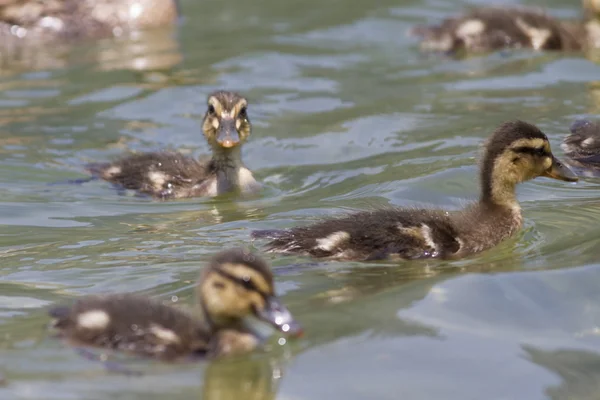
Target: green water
point(346, 114)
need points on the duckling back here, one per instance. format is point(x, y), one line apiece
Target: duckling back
point(130, 323)
point(159, 174)
point(371, 235)
point(487, 29)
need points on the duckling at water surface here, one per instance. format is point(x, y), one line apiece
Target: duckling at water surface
point(77, 19)
point(168, 175)
point(582, 146)
point(235, 288)
point(516, 152)
point(494, 28)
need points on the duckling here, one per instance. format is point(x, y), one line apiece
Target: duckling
point(171, 175)
point(494, 28)
point(582, 146)
point(77, 19)
point(516, 152)
point(234, 290)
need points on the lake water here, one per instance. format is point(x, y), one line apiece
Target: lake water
point(347, 114)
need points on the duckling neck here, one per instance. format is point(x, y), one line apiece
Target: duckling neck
point(229, 169)
point(498, 198)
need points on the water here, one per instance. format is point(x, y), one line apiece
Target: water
point(347, 115)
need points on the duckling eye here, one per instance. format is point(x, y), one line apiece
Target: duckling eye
point(218, 285)
point(211, 109)
point(248, 284)
point(540, 152)
point(242, 114)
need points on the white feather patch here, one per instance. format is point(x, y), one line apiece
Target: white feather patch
point(112, 171)
point(428, 237)
point(471, 27)
point(588, 142)
point(332, 241)
point(94, 319)
point(164, 334)
point(157, 178)
point(537, 36)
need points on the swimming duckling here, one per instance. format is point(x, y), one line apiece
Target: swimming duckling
point(516, 152)
point(235, 288)
point(496, 28)
point(169, 175)
point(582, 146)
point(77, 19)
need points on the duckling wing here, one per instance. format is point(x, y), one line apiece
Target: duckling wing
point(160, 174)
point(493, 28)
point(583, 144)
point(371, 235)
point(130, 323)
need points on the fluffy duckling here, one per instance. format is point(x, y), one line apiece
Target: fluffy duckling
point(170, 175)
point(516, 152)
point(234, 290)
point(495, 28)
point(582, 146)
point(73, 19)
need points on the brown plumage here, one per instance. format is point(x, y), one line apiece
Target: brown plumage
point(75, 19)
point(582, 146)
point(496, 28)
point(169, 175)
point(516, 152)
point(236, 287)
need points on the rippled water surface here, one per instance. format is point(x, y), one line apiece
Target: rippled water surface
point(347, 115)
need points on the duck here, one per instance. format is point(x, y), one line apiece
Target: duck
point(233, 292)
point(515, 152)
point(487, 29)
point(582, 146)
point(76, 19)
point(172, 175)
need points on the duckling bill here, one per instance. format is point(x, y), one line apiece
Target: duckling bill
point(233, 291)
point(516, 152)
point(171, 175)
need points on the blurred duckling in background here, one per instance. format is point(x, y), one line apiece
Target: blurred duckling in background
point(516, 152)
point(487, 29)
point(233, 292)
point(582, 147)
point(172, 175)
point(79, 19)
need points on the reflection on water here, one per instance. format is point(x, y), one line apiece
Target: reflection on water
point(257, 378)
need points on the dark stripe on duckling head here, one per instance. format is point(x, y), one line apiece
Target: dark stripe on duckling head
point(246, 282)
point(225, 101)
point(534, 151)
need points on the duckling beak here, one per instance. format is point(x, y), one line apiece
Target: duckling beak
point(228, 136)
point(560, 171)
point(276, 314)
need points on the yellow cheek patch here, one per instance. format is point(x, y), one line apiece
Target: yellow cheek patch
point(215, 123)
point(547, 163)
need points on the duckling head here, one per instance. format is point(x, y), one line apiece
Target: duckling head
point(226, 125)
point(237, 286)
point(517, 152)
